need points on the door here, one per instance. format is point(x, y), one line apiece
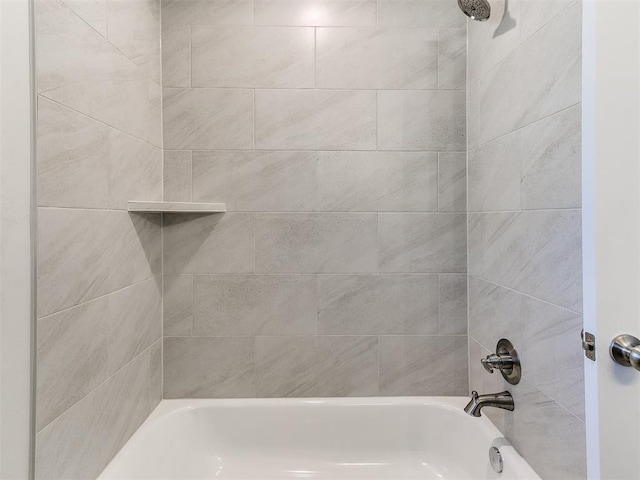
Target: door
point(611, 230)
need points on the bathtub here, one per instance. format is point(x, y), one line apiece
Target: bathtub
point(359, 438)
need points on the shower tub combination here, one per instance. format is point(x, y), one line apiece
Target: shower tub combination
point(357, 438)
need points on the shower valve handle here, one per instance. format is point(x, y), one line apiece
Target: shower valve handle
point(505, 360)
point(500, 362)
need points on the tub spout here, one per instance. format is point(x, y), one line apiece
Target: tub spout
point(502, 400)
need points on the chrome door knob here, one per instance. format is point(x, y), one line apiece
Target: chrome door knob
point(625, 351)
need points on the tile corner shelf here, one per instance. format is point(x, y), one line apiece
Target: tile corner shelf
point(176, 207)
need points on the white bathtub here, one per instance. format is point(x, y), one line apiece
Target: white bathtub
point(362, 438)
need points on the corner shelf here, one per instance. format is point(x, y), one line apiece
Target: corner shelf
point(176, 207)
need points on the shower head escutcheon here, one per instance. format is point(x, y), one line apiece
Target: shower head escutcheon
point(479, 10)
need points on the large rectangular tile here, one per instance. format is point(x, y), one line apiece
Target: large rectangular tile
point(316, 366)
point(207, 12)
point(83, 254)
point(177, 302)
point(361, 58)
point(312, 242)
point(414, 365)
point(420, 13)
point(71, 358)
point(226, 305)
point(336, 13)
point(425, 243)
point(315, 120)
point(205, 118)
point(452, 182)
point(81, 442)
point(177, 176)
point(208, 367)
point(453, 305)
point(220, 243)
point(155, 374)
point(377, 304)
point(176, 56)
point(432, 120)
point(452, 59)
point(252, 57)
point(94, 12)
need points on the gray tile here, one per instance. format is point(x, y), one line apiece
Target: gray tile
point(452, 59)
point(475, 367)
point(474, 239)
point(361, 58)
point(71, 358)
point(536, 13)
point(336, 13)
point(135, 322)
point(316, 366)
point(226, 305)
point(453, 305)
point(420, 13)
point(207, 12)
point(552, 161)
point(81, 442)
point(315, 120)
point(177, 301)
point(155, 374)
point(219, 243)
point(256, 181)
point(176, 56)
point(177, 176)
point(208, 367)
point(205, 118)
point(94, 12)
point(422, 120)
point(452, 182)
point(316, 242)
point(73, 158)
point(425, 243)
point(413, 365)
point(377, 304)
point(111, 249)
point(252, 57)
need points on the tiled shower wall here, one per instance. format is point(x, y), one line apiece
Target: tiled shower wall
point(99, 268)
point(525, 224)
point(336, 134)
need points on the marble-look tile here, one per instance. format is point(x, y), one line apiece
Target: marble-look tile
point(219, 243)
point(135, 322)
point(208, 367)
point(414, 365)
point(536, 13)
point(552, 162)
point(452, 59)
point(494, 175)
point(316, 366)
point(365, 58)
point(176, 56)
point(79, 68)
point(83, 254)
point(422, 120)
point(73, 158)
point(207, 12)
point(316, 13)
point(135, 171)
point(474, 241)
point(453, 304)
point(177, 301)
point(377, 304)
point(227, 305)
point(252, 57)
point(475, 367)
point(156, 135)
point(422, 243)
point(315, 120)
point(257, 181)
point(521, 253)
point(94, 12)
point(134, 29)
point(548, 436)
point(81, 442)
point(378, 181)
point(177, 176)
point(549, 338)
point(155, 374)
point(206, 118)
point(316, 243)
point(452, 182)
point(71, 358)
point(420, 13)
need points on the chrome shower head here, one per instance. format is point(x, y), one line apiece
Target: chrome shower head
point(479, 10)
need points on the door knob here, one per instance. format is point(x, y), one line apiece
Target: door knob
point(625, 350)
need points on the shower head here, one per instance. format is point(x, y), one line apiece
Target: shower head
point(479, 10)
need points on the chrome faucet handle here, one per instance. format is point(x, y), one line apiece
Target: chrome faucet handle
point(506, 360)
point(501, 362)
